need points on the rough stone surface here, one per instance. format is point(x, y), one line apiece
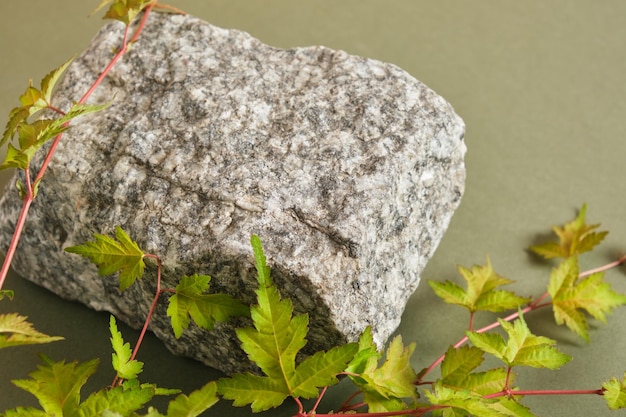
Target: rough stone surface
point(348, 168)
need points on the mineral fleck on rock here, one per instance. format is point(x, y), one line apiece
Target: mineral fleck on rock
point(348, 168)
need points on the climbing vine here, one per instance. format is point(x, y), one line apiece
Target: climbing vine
point(385, 382)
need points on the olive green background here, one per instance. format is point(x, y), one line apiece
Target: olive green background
point(541, 86)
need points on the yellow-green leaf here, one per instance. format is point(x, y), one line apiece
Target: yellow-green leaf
point(195, 404)
point(522, 347)
point(615, 393)
point(125, 367)
point(574, 238)
point(57, 385)
point(15, 330)
point(111, 256)
point(481, 293)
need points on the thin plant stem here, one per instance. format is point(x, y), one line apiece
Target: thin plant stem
point(30, 195)
point(534, 305)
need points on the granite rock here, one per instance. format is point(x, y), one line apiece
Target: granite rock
point(348, 168)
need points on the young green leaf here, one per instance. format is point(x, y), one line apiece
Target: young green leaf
point(111, 256)
point(481, 293)
point(458, 372)
point(31, 138)
point(575, 237)
point(615, 393)
point(190, 300)
point(123, 10)
point(367, 350)
point(464, 403)
point(273, 344)
point(571, 297)
point(522, 348)
point(121, 358)
point(33, 100)
point(386, 386)
point(16, 331)
point(57, 385)
point(195, 404)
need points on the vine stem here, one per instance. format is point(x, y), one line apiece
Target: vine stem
point(509, 392)
point(30, 187)
point(534, 305)
point(151, 311)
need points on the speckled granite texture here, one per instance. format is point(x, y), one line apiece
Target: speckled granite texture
point(348, 169)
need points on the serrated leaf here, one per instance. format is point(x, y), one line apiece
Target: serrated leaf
point(260, 392)
point(572, 297)
point(15, 330)
point(367, 350)
point(273, 344)
point(57, 385)
point(120, 400)
point(111, 256)
point(190, 301)
point(615, 393)
point(461, 402)
point(395, 378)
point(50, 80)
point(122, 352)
point(31, 138)
point(33, 100)
point(386, 386)
point(458, 371)
point(522, 348)
point(481, 293)
point(574, 238)
point(195, 404)
point(24, 412)
point(123, 10)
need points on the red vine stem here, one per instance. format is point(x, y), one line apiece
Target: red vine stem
point(30, 187)
point(536, 304)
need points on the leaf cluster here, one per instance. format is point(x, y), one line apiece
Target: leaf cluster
point(189, 300)
point(273, 345)
point(31, 136)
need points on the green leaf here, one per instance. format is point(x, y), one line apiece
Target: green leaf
point(111, 256)
point(32, 101)
point(120, 400)
point(367, 350)
point(7, 293)
point(25, 412)
point(190, 300)
point(463, 403)
point(575, 237)
point(615, 393)
point(457, 371)
point(123, 10)
point(121, 358)
point(273, 344)
point(481, 293)
point(15, 330)
point(195, 404)
point(522, 348)
point(572, 297)
point(57, 385)
point(31, 138)
point(386, 386)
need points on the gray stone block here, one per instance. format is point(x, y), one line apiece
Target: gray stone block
point(348, 168)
